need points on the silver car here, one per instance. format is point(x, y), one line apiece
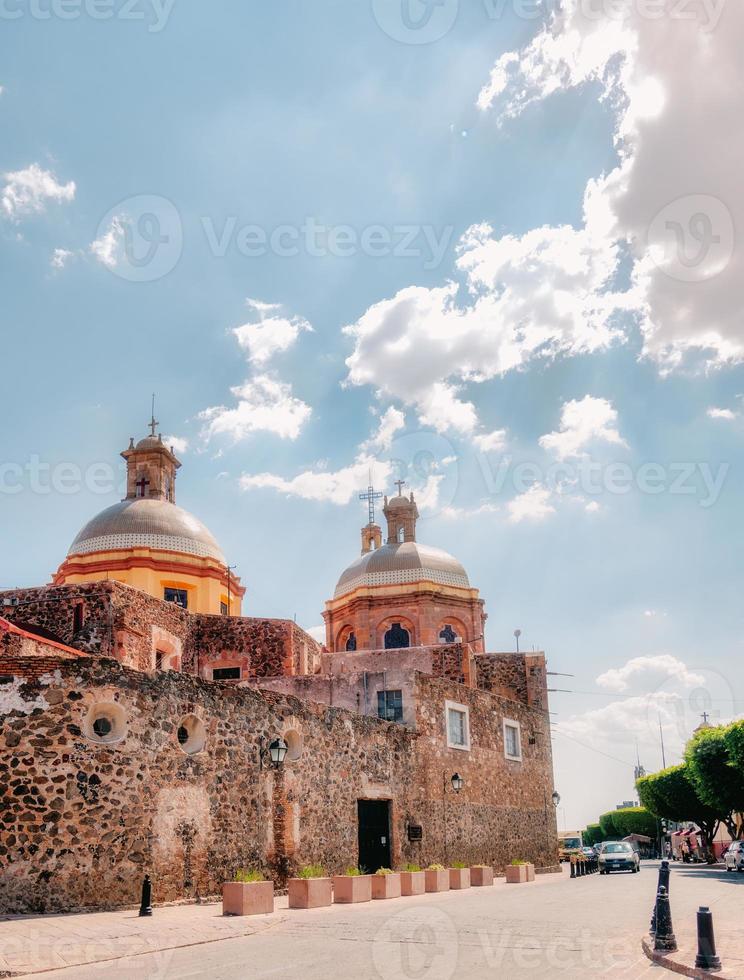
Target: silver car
point(618, 856)
point(734, 858)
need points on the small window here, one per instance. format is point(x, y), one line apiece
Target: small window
point(223, 609)
point(401, 535)
point(458, 725)
point(397, 638)
point(512, 740)
point(191, 734)
point(77, 618)
point(390, 705)
point(351, 642)
point(105, 723)
point(448, 635)
point(226, 674)
point(179, 596)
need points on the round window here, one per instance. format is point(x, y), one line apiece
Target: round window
point(105, 723)
point(294, 745)
point(191, 734)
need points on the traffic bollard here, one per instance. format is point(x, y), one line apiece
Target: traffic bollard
point(663, 881)
point(573, 868)
point(146, 903)
point(706, 957)
point(664, 939)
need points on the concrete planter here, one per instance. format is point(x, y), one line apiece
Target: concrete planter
point(517, 874)
point(247, 898)
point(459, 878)
point(348, 889)
point(437, 881)
point(412, 882)
point(386, 886)
point(309, 893)
point(481, 876)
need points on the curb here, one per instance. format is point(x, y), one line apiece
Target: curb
point(687, 971)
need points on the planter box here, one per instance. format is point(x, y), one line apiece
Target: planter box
point(481, 876)
point(247, 898)
point(386, 886)
point(412, 882)
point(516, 874)
point(309, 893)
point(437, 881)
point(459, 877)
point(352, 888)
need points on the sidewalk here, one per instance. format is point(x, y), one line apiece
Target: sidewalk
point(724, 895)
point(35, 944)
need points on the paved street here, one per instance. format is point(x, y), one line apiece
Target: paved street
point(555, 927)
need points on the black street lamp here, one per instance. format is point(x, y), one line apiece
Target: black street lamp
point(276, 751)
point(556, 799)
point(457, 782)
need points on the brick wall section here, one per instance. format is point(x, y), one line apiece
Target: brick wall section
point(501, 673)
point(127, 624)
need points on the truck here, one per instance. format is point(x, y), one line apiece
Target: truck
point(570, 843)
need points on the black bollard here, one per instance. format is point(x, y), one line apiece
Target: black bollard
point(573, 869)
point(146, 903)
point(706, 956)
point(664, 940)
point(663, 881)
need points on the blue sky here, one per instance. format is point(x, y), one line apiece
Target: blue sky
point(564, 338)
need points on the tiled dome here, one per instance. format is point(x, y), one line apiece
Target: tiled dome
point(401, 564)
point(145, 523)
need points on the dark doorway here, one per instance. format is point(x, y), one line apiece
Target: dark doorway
point(374, 835)
point(397, 638)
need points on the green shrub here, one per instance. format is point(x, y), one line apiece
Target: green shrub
point(384, 871)
point(312, 871)
point(436, 867)
point(516, 862)
point(412, 867)
point(459, 865)
point(353, 872)
point(246, 877)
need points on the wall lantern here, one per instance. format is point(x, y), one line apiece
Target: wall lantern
point(556, 798)
point(276, 751)
point(457, 782)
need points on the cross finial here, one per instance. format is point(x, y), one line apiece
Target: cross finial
point(400, 484)
point(705, 717)
point(371, 495)
point(153, 423)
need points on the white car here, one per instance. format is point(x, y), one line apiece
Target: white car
point(734, 858)
point(618, 856)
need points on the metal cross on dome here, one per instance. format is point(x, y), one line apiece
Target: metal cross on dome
point(153, 423)
point(400, 484)
point(371, 495)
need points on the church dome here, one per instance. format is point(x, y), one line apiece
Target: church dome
point(402, 564)
point(146, 523)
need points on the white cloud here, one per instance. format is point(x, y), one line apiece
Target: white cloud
point(391, 422)
point(318, 633)
point(108, 249)
point(674, 200)
point(272, 334)
point(177, 443)
point(60, 258)
point(533, 505)
point(624, 721)
point(265, 404)
point(490, 441)
point(651, 670)
point(338, 487)
point(583, 423)
point(721, 413)
point(654, 614)
point(28, 191)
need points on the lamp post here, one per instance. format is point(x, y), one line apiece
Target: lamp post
point(456, 782)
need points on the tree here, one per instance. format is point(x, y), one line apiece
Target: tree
point(734, 739)
point(635, 820)
point(671, 795)
point(610, 830)
point(718, 783)
point(592, 835)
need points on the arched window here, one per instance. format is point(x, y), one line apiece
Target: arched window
point(397, 638)
point(351, 641)
point(447, 635)
point(401, 535)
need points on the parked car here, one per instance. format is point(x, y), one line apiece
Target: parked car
point(618, 856)
point(734, 856)
point(588, 852)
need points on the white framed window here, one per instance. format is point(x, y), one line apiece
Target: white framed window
point(457, 723)
point(512, 740)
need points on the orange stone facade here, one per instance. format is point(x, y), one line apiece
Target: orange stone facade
point(402, 594)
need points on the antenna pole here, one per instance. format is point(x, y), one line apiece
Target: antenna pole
point(661, 739)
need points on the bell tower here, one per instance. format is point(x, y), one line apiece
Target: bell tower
point(151, 467)
point(401, 513)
